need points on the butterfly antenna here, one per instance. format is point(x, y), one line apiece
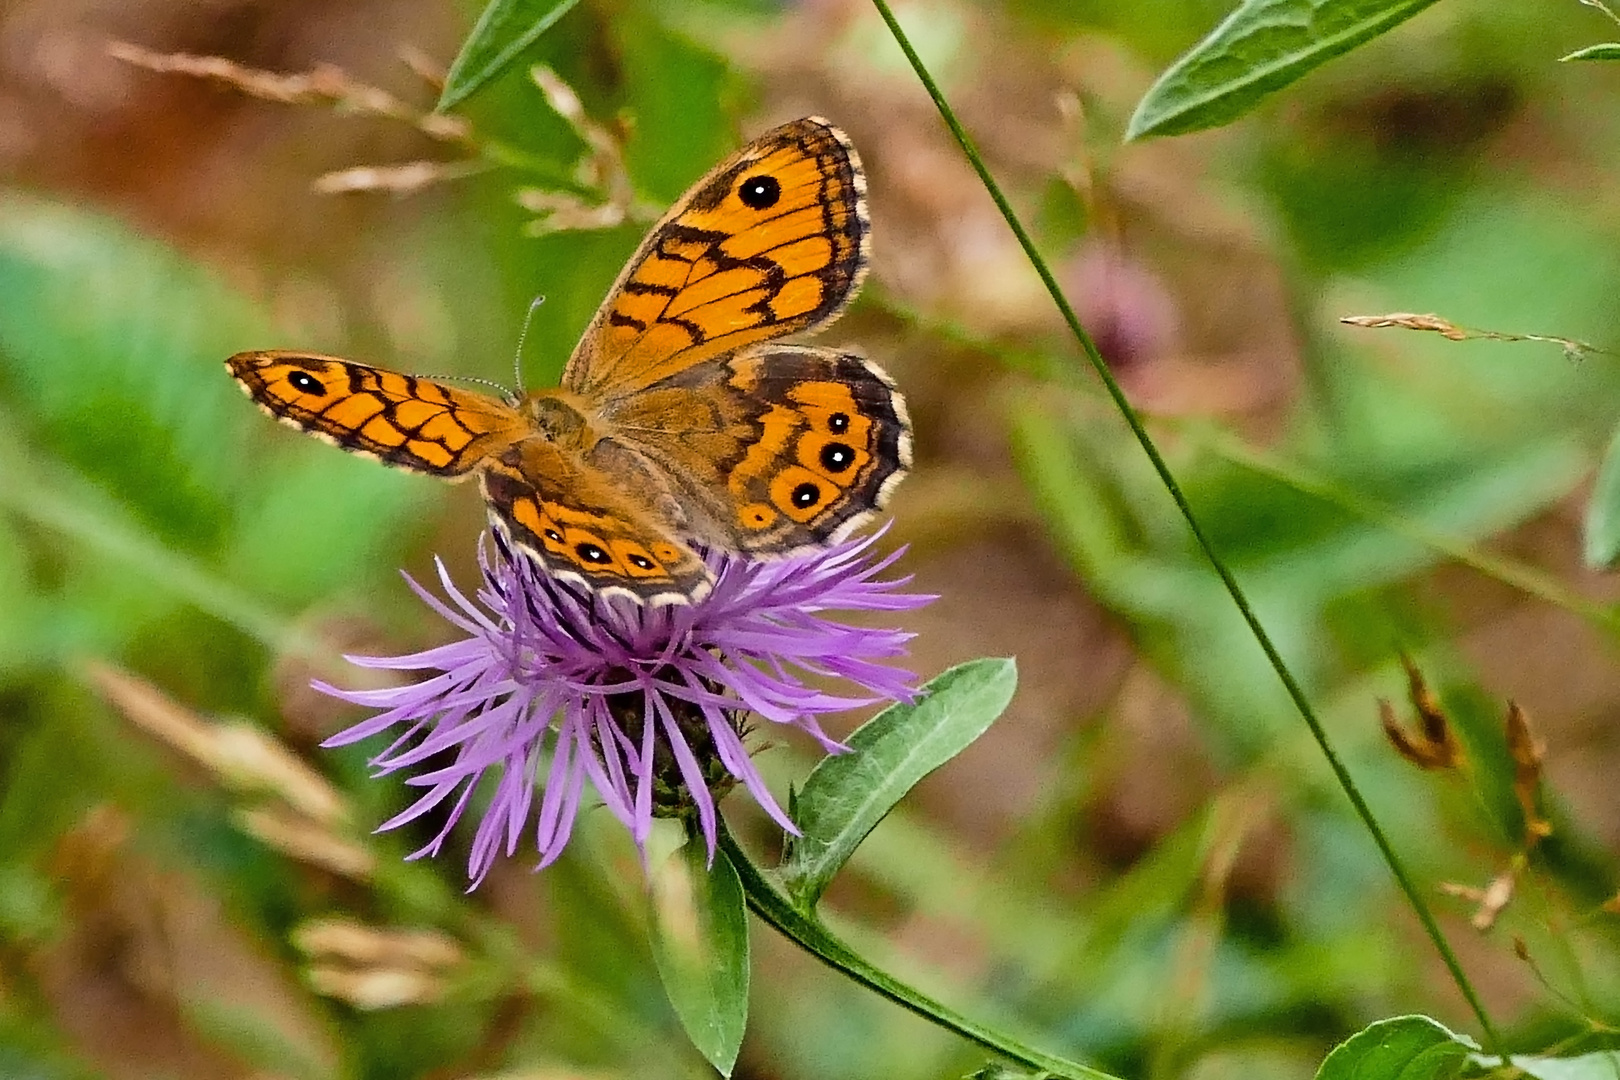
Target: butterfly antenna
point(523, 335)
point(506, 394)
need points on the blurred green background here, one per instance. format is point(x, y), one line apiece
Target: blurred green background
point(1145, 864)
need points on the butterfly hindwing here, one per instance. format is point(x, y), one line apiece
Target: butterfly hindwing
point(774, 240)
point(581, 527)
point(777, 448)
point(413, 423)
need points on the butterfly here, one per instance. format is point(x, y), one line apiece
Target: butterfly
point(681, 424)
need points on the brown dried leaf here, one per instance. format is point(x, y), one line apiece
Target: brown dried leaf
point(1489, 901)
point(242, 756)
point(1434, 745)
point(405, 179)
point(602, 169)
point(1527, 754)
point(423, 66)
point(562, 212)
point(357, 943)
point(1462, 892)
point(376, 988)
point(302, 839)
point(1408, 321)
point(1497, 896)
point(373, 968)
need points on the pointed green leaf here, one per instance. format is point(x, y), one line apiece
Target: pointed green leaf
point(1609, 50)
point(846, 795)
point(1603, 511)
point(502, 32)
point(1262, 46)
point(1401, 1048)
point(700, 942)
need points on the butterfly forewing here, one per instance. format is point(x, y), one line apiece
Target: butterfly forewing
point(772, 241)
point(413, 423)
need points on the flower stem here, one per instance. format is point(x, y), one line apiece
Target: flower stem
point(1419, 906)
point(771, 904)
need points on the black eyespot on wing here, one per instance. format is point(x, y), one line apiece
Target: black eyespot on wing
point(592, 554)
point(554, 536)
point(641, 562)
point(838, 423)
point(836, 457)
point(760, 192)
point(806, 495)
point(305, 383)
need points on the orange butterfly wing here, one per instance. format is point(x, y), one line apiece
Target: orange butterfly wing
point(413, 423)
point(675, 431)
point(772, 241)
point(583, 527)
point(772, 450)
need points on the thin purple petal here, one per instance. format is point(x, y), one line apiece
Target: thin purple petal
point(544, 671)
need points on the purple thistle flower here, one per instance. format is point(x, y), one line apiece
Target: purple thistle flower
point(647, 704)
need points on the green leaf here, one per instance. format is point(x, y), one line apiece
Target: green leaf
point(846, 795)
point(111, 353)
point(502, 32)
point(1607, 51)
point(1603, 511)
point(1262, 46)
point(123, 433)
point(1603, 1065)
point(1401, 1048)
point(700, 942)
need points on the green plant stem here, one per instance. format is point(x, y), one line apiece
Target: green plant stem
point(772, 905)
point(1290, 684)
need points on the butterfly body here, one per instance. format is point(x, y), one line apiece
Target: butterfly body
point(679, 420)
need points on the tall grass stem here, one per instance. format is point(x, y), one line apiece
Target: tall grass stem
point(1290, 684)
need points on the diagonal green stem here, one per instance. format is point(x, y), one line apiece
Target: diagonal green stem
point(1290, 684)
point(771, 904)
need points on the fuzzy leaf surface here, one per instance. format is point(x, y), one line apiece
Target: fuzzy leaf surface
point(1400, 1048)
point(502, 32)
point(846, 795)
point(1261, 47)
point(700, 943)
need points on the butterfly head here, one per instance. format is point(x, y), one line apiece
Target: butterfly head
point(559, 419)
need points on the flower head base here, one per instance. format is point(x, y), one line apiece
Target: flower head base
point(555, 688)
